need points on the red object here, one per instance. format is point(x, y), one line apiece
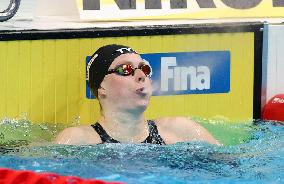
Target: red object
point(274, 109)
point(9, 176)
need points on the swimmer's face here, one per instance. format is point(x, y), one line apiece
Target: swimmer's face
point(131, 91)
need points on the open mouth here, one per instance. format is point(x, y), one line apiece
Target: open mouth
point(141, 91)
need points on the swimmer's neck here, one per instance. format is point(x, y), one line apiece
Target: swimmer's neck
point(125, 127)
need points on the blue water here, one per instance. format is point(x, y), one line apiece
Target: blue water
point(259, 159)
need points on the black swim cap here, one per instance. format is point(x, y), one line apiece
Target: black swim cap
point(100, 62)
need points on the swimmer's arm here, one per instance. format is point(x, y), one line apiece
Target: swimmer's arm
point(184, 129)
point(75, 136)
point(199, 132)
point(70, 135)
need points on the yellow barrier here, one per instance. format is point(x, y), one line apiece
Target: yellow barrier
point(45, 79)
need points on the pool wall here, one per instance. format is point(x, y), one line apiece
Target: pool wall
point(42, 72)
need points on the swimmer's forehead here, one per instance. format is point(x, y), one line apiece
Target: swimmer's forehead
point(131, 58)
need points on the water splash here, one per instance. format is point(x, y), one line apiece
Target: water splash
point(21, 131)
point(257, 159)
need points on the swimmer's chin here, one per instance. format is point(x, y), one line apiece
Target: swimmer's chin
point(143, 104)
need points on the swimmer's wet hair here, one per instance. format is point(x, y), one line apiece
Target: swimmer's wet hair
point(100, 62)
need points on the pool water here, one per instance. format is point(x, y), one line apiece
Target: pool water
point(252, 153)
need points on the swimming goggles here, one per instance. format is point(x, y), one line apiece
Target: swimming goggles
point(128, 69)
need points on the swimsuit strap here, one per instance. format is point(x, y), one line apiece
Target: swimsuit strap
point(153, 137)
point(102, 133)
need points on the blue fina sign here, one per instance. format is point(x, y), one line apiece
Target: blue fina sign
point(187, 73)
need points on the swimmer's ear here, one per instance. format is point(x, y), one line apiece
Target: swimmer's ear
point(101, 92)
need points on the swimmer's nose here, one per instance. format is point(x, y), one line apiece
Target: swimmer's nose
point(139, 75)
point(141, 79)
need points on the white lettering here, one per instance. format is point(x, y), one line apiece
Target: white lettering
point(177, 78)
point(167, 73)
point(191, 72)
point(278, 100)
point(199, 76)
point(203, 78)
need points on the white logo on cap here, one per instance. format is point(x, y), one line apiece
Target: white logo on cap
point(121, 50)
point(89, 66)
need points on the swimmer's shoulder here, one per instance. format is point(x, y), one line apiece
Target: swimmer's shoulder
point(78, 135)
point(182, 129)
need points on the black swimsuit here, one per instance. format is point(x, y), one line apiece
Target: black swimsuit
point(153, 137)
